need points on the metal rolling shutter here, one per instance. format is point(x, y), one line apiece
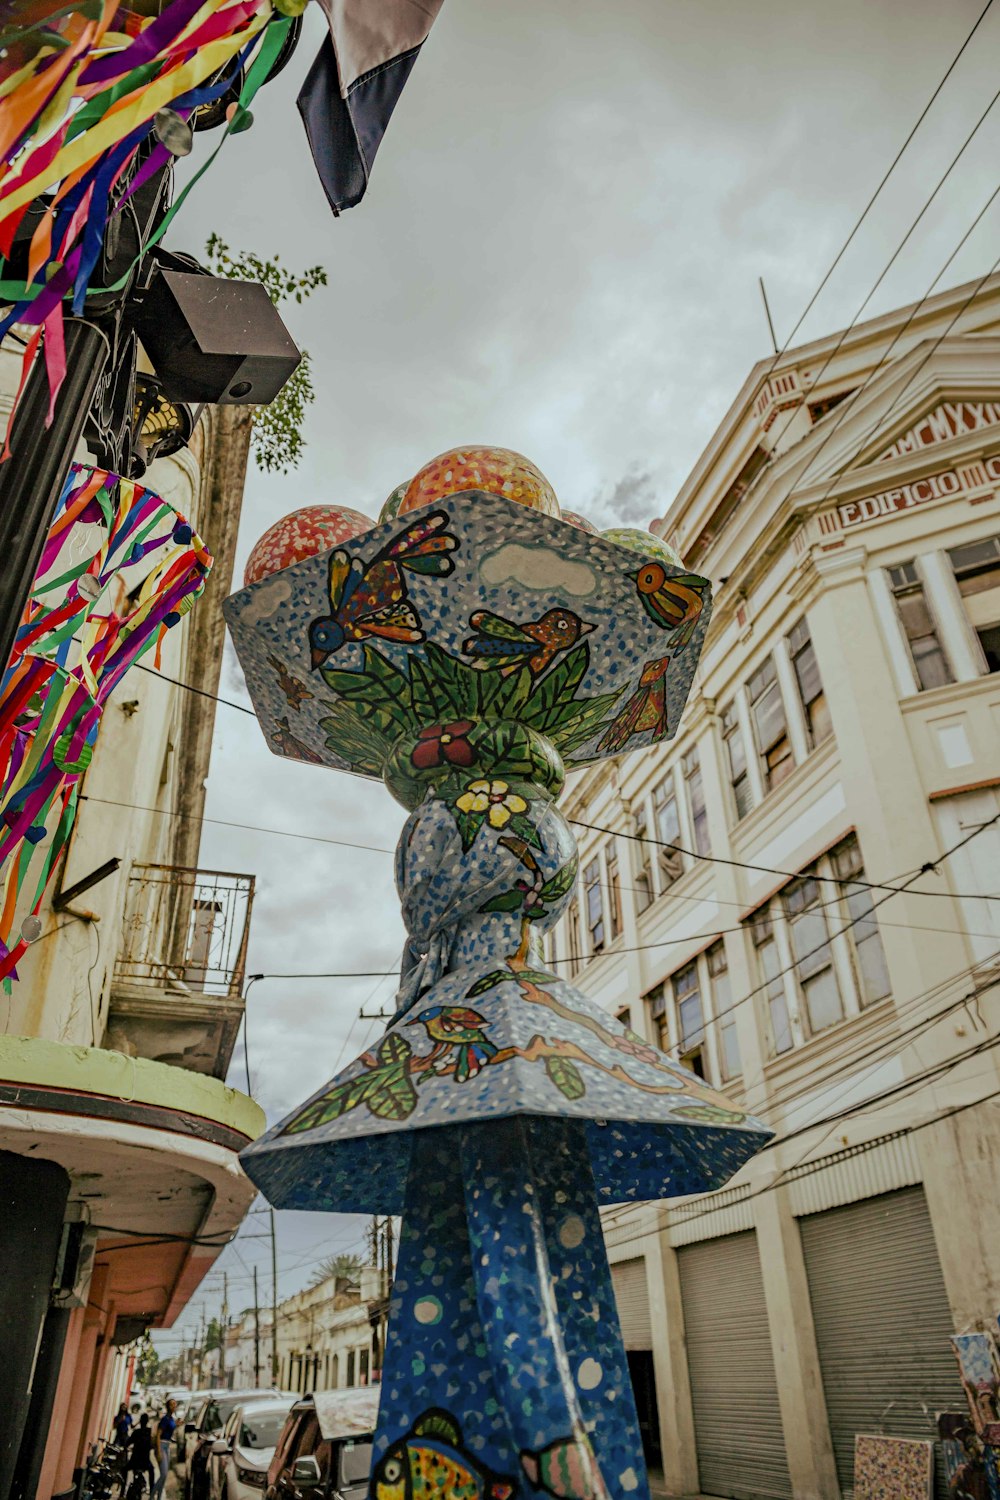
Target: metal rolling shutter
point(632, 1296)
point(737, 1421)
point(882, 1321)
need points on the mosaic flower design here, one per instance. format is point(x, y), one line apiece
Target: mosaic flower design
point(442, 743)
point(495, 799)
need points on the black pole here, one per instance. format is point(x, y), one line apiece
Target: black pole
point(31, 479)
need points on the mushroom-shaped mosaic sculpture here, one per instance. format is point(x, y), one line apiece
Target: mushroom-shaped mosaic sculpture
point(470, 652)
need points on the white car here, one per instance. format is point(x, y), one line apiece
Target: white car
point(242, 1455)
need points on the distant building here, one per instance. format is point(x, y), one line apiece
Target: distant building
point(330, 1335)
point(119, 1176)
point(843, 732)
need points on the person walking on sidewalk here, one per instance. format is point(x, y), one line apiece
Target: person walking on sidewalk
point(165, 1429)
point(140, 1451)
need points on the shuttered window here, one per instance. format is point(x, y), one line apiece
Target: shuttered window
point(882, 1321)
point(631, 1290)
point(737, 1420)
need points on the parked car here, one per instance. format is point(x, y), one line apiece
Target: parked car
point(188, 1434)
point(325, 1449)
point(241, 1457)
point(212, 1416)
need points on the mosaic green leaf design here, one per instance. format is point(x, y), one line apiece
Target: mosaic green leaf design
point(395, 1097)
point(487, 982)
point(552, 700)
point(712, 1114)
point(393, 1048)
point(566, 1076)
point(561, 882)
point(506, 901)
point(334, 1103)
point(359, 740)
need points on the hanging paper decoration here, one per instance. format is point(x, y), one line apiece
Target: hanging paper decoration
point(80, 99)
point(119, 568)
point(469, 652)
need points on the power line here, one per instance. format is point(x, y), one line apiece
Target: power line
point(738, 864)
point(874, 197)
point(822, 1162)
point(202, 692)
point(284, 833)
point(850, 405)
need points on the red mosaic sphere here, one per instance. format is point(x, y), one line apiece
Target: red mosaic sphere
point(574, 518)
point(498, 471)
point(303, 533)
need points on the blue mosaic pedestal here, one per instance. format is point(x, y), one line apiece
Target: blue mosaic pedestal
point(502, 1107)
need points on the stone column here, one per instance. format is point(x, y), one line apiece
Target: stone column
point(811, 1463)
point(670, 1366)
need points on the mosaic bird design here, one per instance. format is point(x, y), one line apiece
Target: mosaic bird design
point(287, 743)
point(672, 601)
point(295, 691)
point(502, 645)
point(646, 709)
point(370, 599)
point(431, 1462)
point(457, 1028)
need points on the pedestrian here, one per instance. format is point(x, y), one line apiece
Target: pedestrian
point(122, 1426)
point(140, 1450)
point(165, 1429)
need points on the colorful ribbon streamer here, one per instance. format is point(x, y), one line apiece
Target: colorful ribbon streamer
point(120, 567)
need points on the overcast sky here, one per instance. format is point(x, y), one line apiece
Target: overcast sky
point(558, 253)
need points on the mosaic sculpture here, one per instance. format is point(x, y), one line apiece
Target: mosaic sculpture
point(470, 651)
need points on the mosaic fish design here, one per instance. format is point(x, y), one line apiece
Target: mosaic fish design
point(431, 1462)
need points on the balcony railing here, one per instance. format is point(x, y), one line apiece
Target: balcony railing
point(186, 929)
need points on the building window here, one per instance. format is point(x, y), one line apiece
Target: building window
point(690, 1023)
point(811, 694)
point(668, 831)
point(769, 966)
point(926, 651)
point(814, 968)
point(723, 1011)
point(614, 890)
point(362, 1367)
point(350, 1367)
point(643, 862)
point(594, 905)
point(869, 955)
point(736, 751)
point(691, 766)
point(574, 953)
point(656, 999)
point(977, 573)
point(767, 710)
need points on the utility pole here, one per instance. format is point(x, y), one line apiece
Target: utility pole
point(256, 1332)
point(223, 1326)
point(274, 1302)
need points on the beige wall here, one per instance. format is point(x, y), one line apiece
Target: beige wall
point(910, 773)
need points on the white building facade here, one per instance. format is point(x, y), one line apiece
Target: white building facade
point(736, 903)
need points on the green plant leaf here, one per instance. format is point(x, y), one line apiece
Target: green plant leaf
point(566, 1076)
point(513, 694)
point(336, 1102)
point(554, 692)
point(455, 683)
point(430, 704)
point(562, 881)
point(506, 901)
point(395, 1098)
point(525, 829)
point(359, 741)
point(487, 982)
point(536, 976)
point(393, 1048)
point(469, 825)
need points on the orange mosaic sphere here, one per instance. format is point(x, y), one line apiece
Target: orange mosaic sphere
point(498, 471)
point(303, 533)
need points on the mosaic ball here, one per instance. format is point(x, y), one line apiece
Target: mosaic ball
point(644, 542)
point(498, 471)
point(303, 533)
point(390, 509)
point(574, 518)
